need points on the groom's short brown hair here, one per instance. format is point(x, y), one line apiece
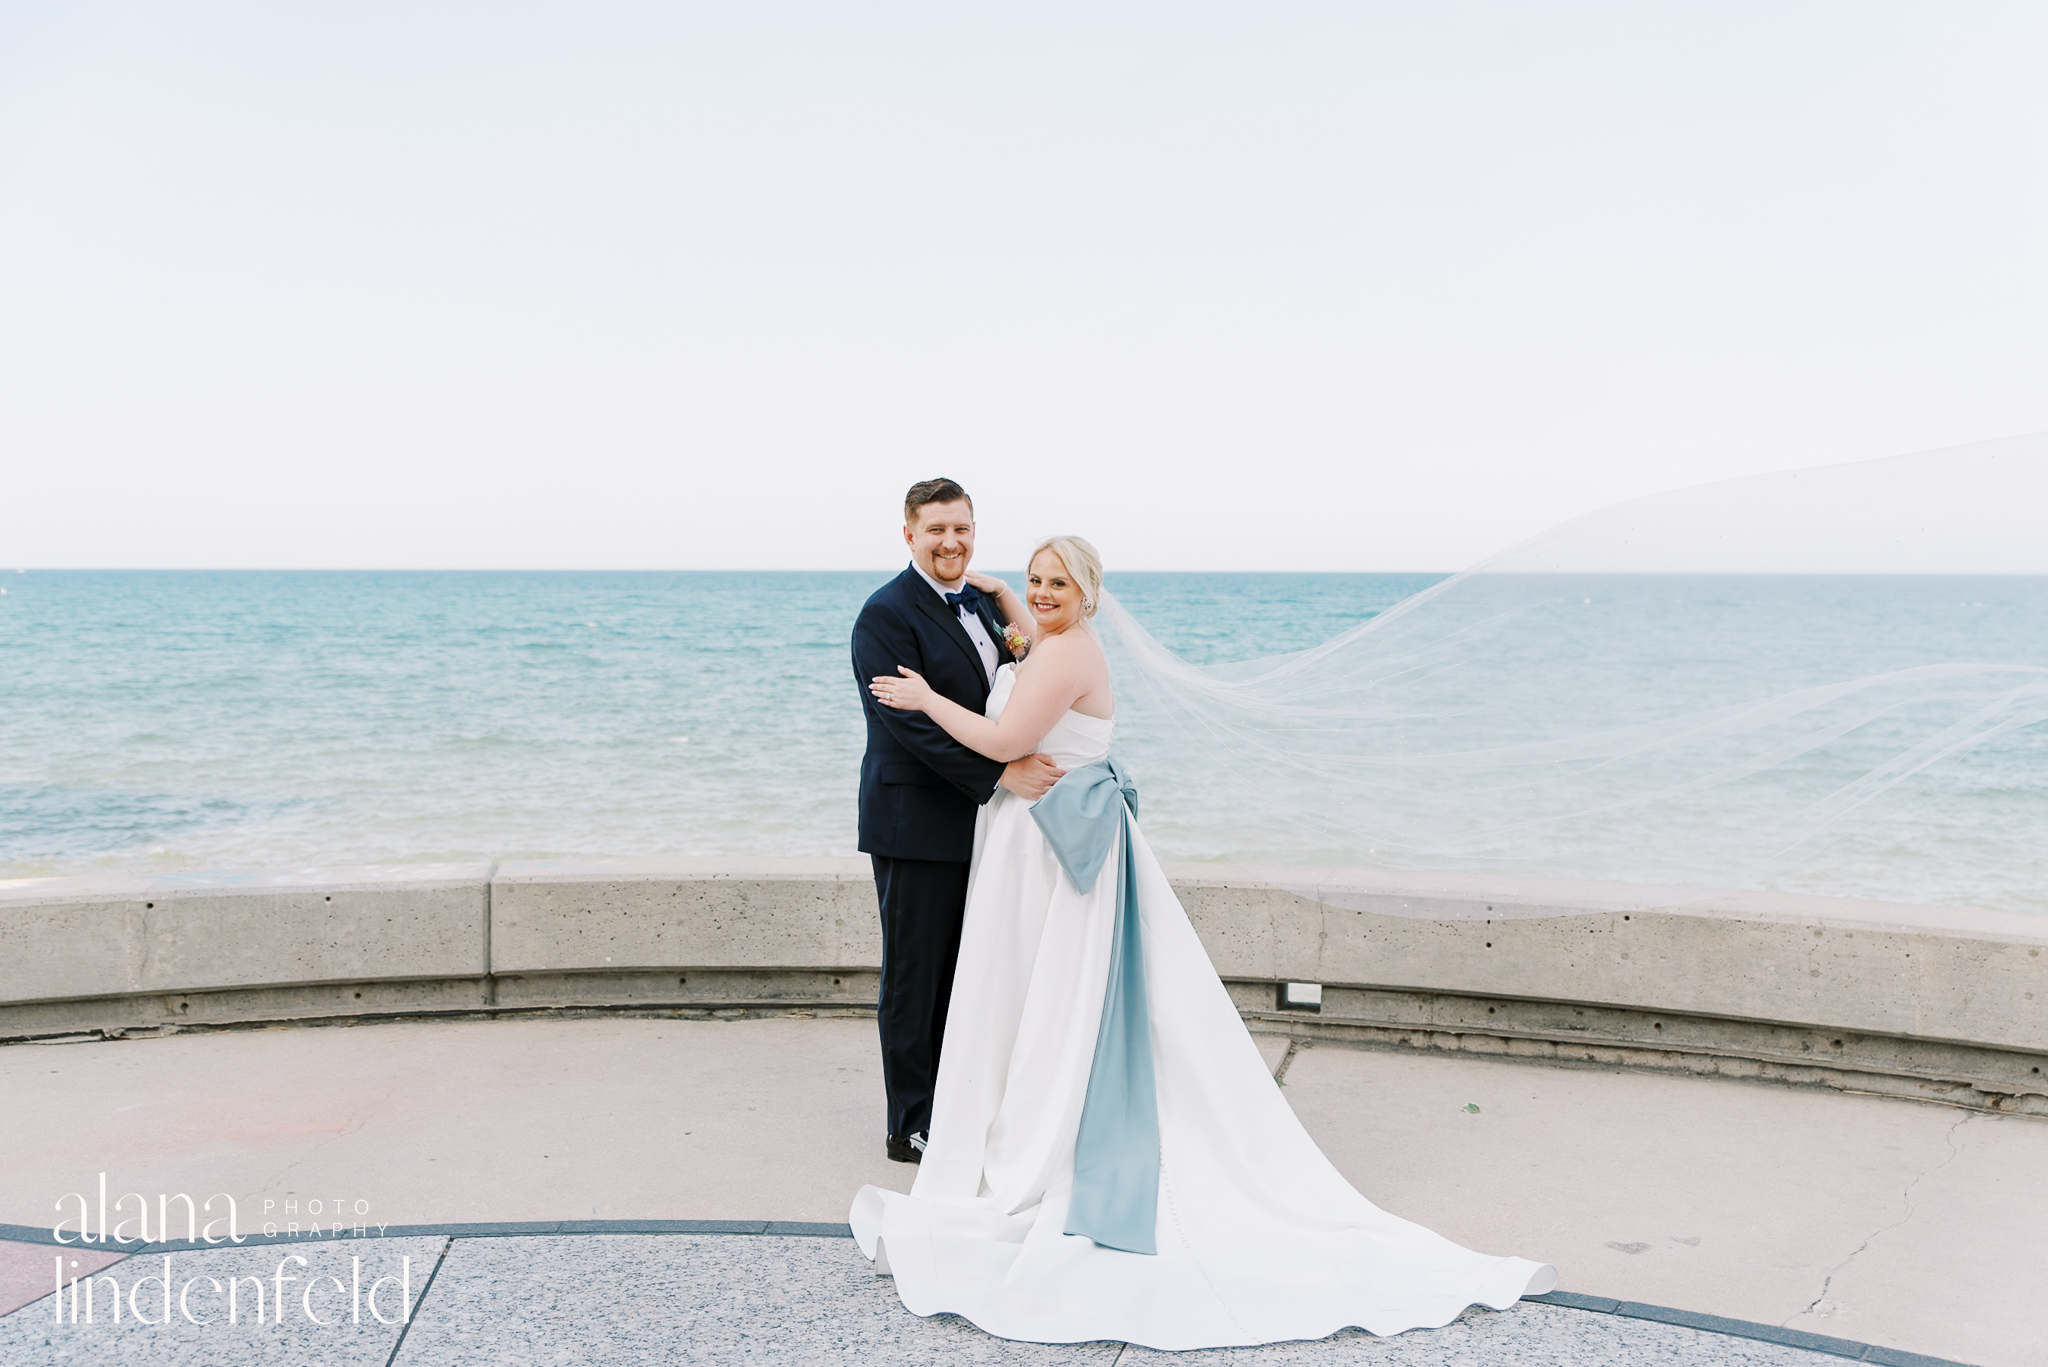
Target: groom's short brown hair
point(932, 491)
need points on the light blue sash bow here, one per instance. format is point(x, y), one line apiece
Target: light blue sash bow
point(1116, 1155)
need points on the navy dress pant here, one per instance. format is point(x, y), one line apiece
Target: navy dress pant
point(923, 904)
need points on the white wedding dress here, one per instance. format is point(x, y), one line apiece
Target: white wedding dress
point(1259, 1239)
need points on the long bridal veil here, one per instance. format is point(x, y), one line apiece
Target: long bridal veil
point(1828, 680)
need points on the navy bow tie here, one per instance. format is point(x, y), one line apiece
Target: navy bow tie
point(969, 598)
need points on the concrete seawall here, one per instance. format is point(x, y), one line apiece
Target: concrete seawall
point(1927, 1002)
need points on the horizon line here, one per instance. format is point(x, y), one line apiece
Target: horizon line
point(858, 569)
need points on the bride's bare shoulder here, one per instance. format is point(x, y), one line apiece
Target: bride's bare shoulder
point(1071, 650)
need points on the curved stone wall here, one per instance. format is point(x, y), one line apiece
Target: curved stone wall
point(1930, 1002)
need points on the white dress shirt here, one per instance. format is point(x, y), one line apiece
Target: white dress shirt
point(976, 632)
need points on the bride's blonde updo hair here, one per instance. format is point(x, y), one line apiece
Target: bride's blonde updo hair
point(1083, 565)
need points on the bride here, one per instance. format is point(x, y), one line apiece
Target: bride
point(1109, 1157)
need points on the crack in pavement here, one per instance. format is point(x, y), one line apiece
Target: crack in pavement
point(1828, 1280)
point(1286, 1062)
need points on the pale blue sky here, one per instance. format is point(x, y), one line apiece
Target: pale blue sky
point(1364, 286)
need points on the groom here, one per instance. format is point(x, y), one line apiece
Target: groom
point(920, 788)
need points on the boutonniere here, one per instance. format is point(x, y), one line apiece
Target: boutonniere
point(1016, 640)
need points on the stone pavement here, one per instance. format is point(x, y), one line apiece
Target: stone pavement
point(1869, 1221)
point(624, 1300)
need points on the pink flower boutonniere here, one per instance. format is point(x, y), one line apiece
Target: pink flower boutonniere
point(1016, 640)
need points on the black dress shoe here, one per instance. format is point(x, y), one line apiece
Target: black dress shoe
point(907, 1148)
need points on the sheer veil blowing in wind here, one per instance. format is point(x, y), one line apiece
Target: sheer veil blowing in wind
point(1830, 680)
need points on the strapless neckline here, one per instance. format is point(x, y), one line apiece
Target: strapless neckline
point(1006, 680)
point(1075, 739)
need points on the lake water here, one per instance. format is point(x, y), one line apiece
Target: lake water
point(156, 721)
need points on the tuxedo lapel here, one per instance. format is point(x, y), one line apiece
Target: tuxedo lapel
point(995, 632)
point(949, 618)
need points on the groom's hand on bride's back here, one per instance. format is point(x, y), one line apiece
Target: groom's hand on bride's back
point(1030, 776)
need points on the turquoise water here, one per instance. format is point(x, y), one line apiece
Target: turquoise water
point(160, 721)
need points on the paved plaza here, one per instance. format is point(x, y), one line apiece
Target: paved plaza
point(539, 1188)
point(723, 1298)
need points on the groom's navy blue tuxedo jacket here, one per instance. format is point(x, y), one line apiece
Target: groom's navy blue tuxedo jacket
point(920, 788)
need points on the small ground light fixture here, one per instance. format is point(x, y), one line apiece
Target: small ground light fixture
point(1301, 996)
